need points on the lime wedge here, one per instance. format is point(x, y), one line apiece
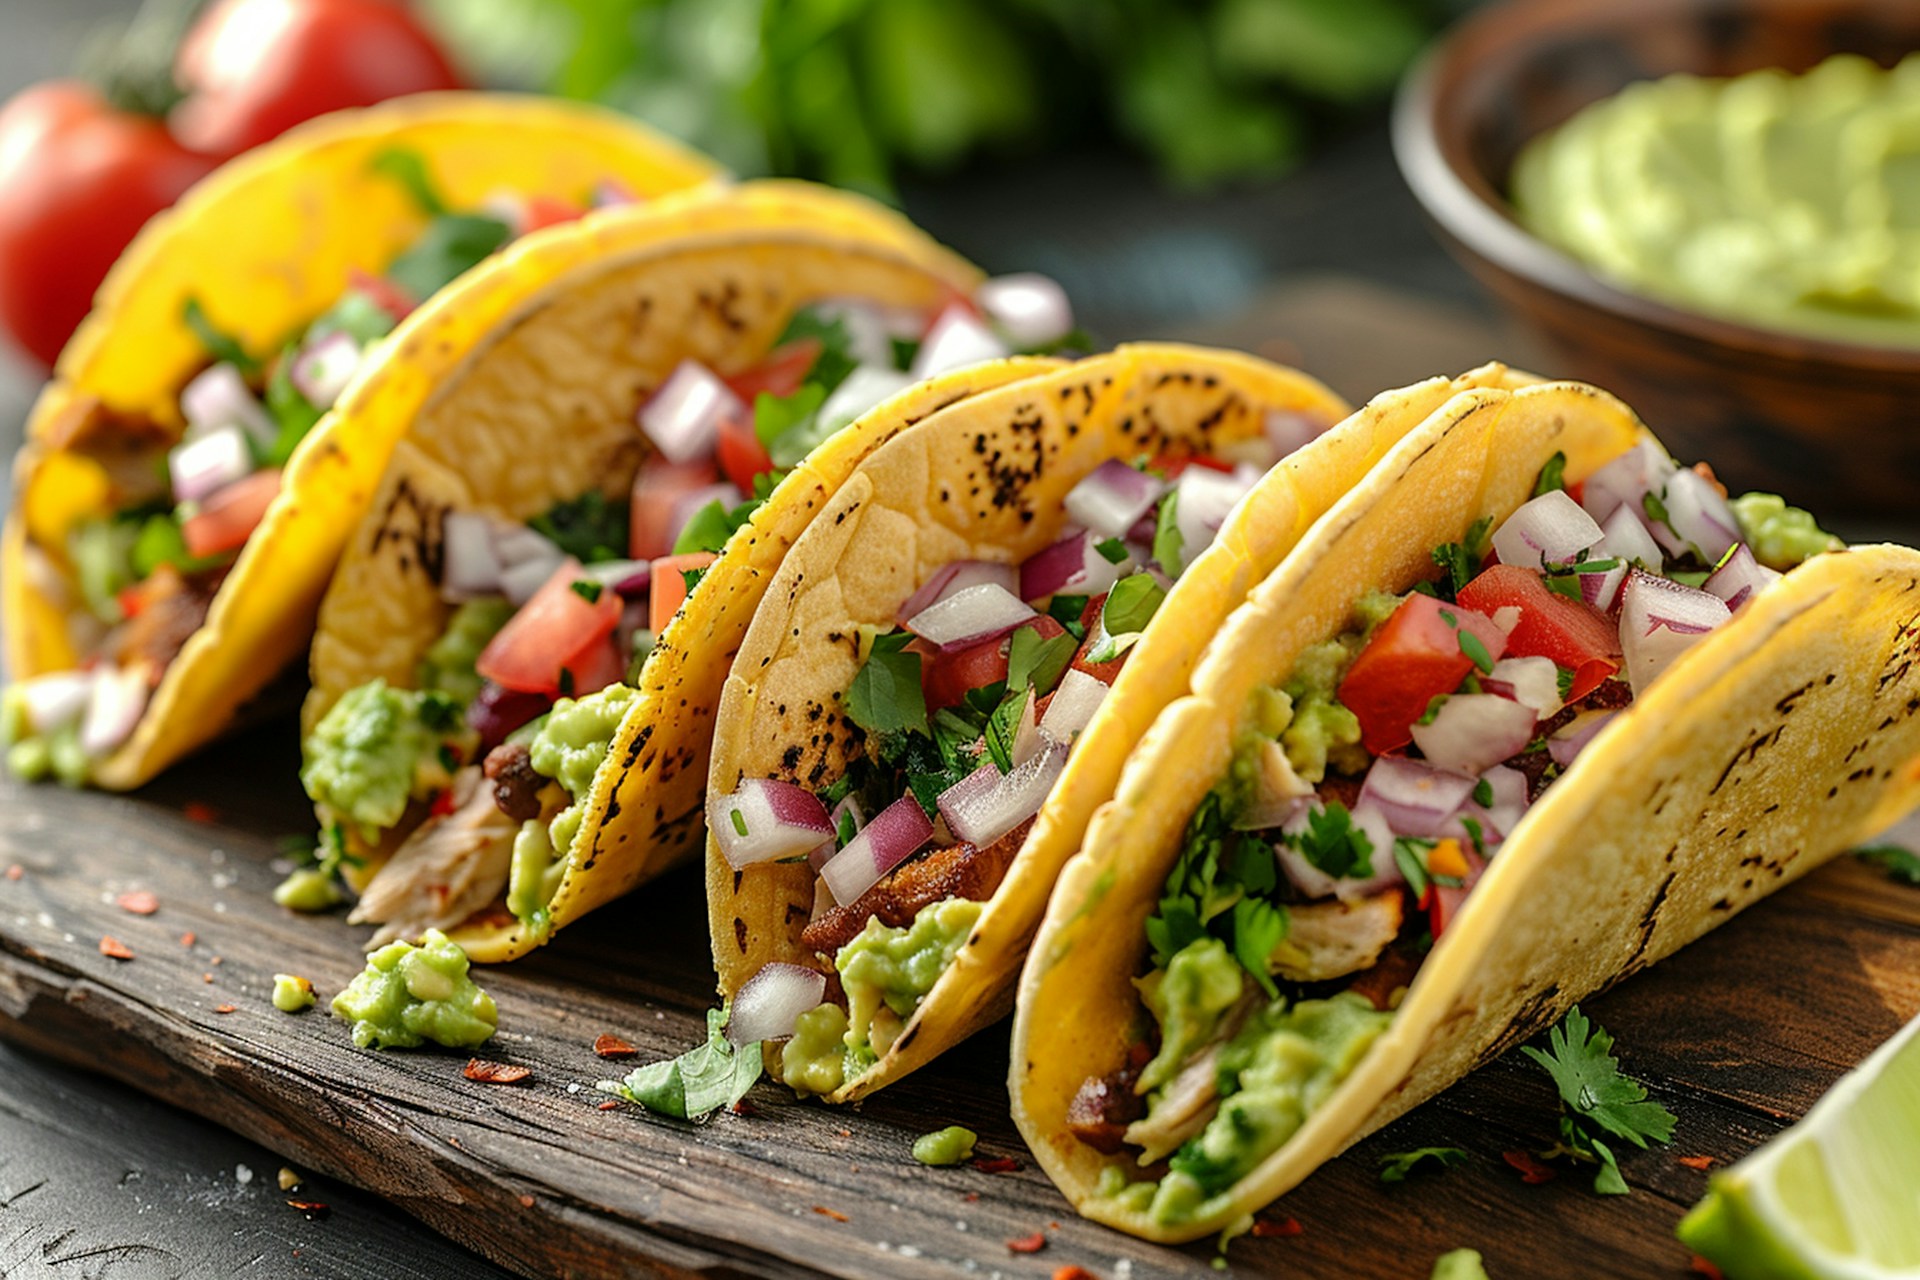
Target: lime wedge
point(1837, 1196)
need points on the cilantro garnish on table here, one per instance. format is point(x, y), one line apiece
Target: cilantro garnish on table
point(1899, 864)
point(700, 1081)
point(1396, 1166)
point(1598, 1102)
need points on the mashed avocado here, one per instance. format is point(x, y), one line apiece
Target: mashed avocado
point(291, 993)
point(448, 665)
point(378, 748)
point(308, 889)
point(1781, 536)
point(950, 1145)
point(886, 973)
point(1321, 731)
point(408, 995)
point(1770, 198)
point(35, 757)
point(1459, 1264)
point(1188, 999)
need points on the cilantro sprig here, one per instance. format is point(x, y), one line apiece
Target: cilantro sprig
point(698, 1082)
point(1220, 887)
point(1397, 1165)
point(1460, 561)
point(1900, 864)
point(1598, 1102)
point(1129, 608)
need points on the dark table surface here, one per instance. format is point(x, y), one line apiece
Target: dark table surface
point(101, 1183)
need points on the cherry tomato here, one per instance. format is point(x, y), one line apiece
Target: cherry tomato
point(657, 490)
point(558, 630)
point(77, 180)
point(1411, 659)
point(667, 588)
point(780, 374)
point(1571, 632)
point(252, 69)
point(228, 518)
point(740, 453)
point(947, 678)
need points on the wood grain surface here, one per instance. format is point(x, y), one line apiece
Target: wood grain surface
point(1739, 1035)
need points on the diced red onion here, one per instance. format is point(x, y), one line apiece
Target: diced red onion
point(859, 392)
point(1315, 883)
point(848, 807)
point(682, 418)
point(772, 1000)
point(766, 819)
point(497, 711)
point(1661, 619)
point(1206, 498)
point(1031, 309)
point(1497, 820)
point(119, 696)
point(1292, 429)
point(1075, 701)
point(1739, 578)
point(1112, 498)
point(1073, 564)
point(208, 463)
point(611, 193)
point(1572, 738)
point(1028, 737)
point(1549, 529)
point(957, 577)
point(1624, 536)
point(957, 339)
point(622, 577)
point(219, 397)
point(323, 370)
point(1626, 481)
point(970, 615)
point(55, 700)
point(1532, 682)
point(986, 804)
point(519, 582)
point(1416, 798)
point(1475, 731)
point(894, 835)
point(468, 565)
point(1699, 515)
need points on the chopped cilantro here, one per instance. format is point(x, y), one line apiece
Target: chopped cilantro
point(1597, 1100)
point(1258, 927)
point(1552, 476)
point(1123, 619)
point(1432, 712)
point(1333, 844)
point(1112, 550)
point(440, 712)
point(845, 830)
point(409, 169)
point(739, 822)
point(885, 696)
point(836, 359)
point(1483, 794)
point(291, 411)
point(223, 347)
point(1474, 648)
point(1410, 855)
point(1656, 509)
point(1037, 663)
point(699, 1081)
point(790, 426)
point(1476, 835)
point(690, 578)
point(1460, 561)
point(711, 526)
point(1168, 543)
point(1563, 677)
point(452, 244)
point(1899, 864)
point(1003, 727)
point(587, 589)
point(1395, 1166)
point(590, 528)
point(1066, 611)
point(1217, 869)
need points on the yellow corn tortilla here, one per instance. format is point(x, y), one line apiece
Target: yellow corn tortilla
point(1784, 737)
point(518, 390)
point(265, 244)
point(911, 509)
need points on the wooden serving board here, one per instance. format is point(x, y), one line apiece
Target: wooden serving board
point(1739, 1035)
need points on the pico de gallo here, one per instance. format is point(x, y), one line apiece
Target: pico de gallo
point(1371, 790)
point(971, 707)
point(179, 506)
point(476, 779)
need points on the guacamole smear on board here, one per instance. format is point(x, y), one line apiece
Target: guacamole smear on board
point(1769, 198)
point(409, 995)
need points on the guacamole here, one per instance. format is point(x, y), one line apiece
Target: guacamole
point(448, 665)
point(1188, 999)
point(308, 889)
point(292, 993)
point(950, 1145)
point(1781, 536)
point(378, 748)
point(1459, 1264)
point(35, 757)
point(1773, 199)
point(408, 995)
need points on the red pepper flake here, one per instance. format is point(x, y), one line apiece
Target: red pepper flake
point(312, 1209)
point(972, 1197)
point(1073, 1271)
point(199, 811)
point(613, 1047)
point(217, 961)
point(526, 1202)
point(610, 1104)
point(226, 1008)
point(206, 977)
point(996, 1164)
point(114, 949)
point(846, 1133)
point(139, 902)
point(835, 1214)
point(1704, 1267)
point(1028, 1244)
point(1532, 1172)
point(15, 871)
point(483, 1072)
point(744, 1109)
point(1702, 1163)
point(188, 938)
point(1278, 1228)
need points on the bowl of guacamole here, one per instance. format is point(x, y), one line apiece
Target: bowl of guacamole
point(1710, 207)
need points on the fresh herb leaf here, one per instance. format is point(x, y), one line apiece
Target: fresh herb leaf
point(1899, 864)
point(1597, 1099)
point(1410, 855)
point(712, 525)
point(699, 1081)
point(885, 696)
point(739, 822)
point(1460, 561)
point(1476, 649)
point(452, 245)
point(845, 830)
point(440, 713)
point(589, 528)
point(1066, 611)
point(1563, 678)
point(1123, 619)
point(1112, 550)
point(1552, 476)
point(1168, 542)
point(1333, 844)
point(690, 578)
point(836, 359)
point(409, 169)
point(1036, 663)
point(1483, 794)
point(789, 426)
point(1003, 728)
point(1218, 868)
point(1432, 712)
point(1258, 927)
point(1395, 1166)
point(291, 411)
point(358, 314)
point(223, 347)
point(587, 589)
point(1656, 509)
point(1476, 835)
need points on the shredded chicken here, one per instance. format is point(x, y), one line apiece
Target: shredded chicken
point(449, 868)
point(1183, 1108)
point(1332, 939)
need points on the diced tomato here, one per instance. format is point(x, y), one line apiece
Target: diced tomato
point(386, 295)
point(740, 453)
point(1105, 672)
point(132, 600)
point(1442, 903)
point(668, 586)
point(228, 518)
point(1170, 466)
point(557, 630)
point(1571, 632)
point(595, 669)
point(657, 491)
point(1413, 658)
point(947, 678)
point(954, 300)
point(550, 211)
point(780, 374)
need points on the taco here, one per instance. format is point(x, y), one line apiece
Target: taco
point(1529, 709)
point(184, 488)
point(954, 662)
point(619, 432)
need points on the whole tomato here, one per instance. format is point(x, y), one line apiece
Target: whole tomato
point(252, 69)
point(77, 179)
